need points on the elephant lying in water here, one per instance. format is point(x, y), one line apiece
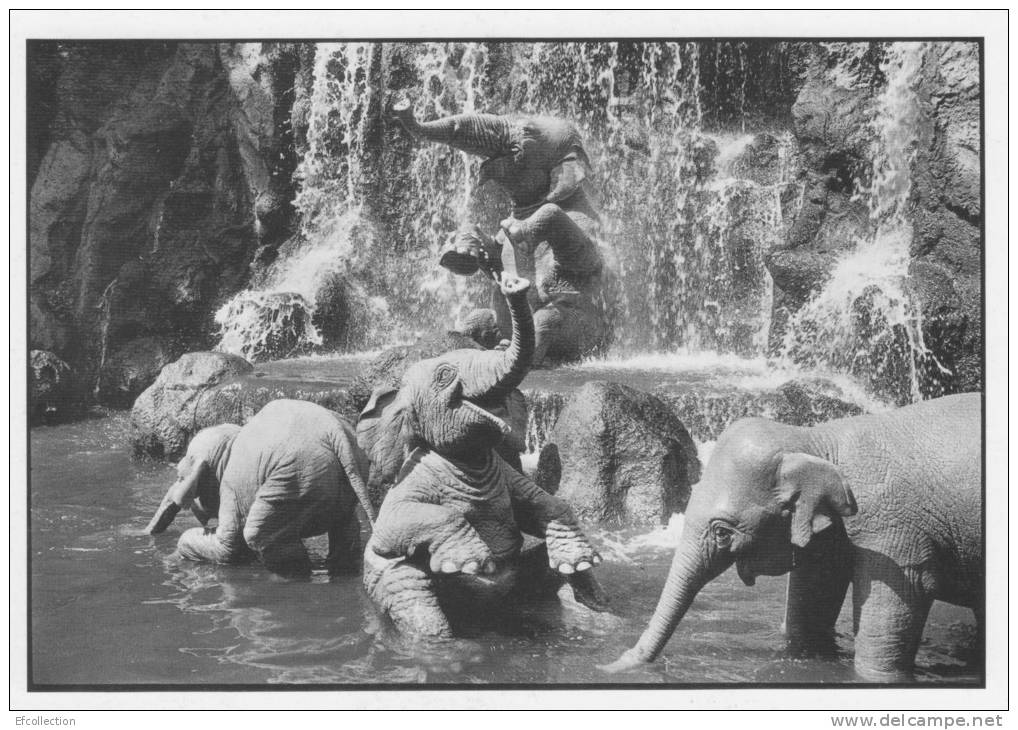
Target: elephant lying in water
point(293, 471)
point(455, 519)
point(890, 503)
point(541, 163)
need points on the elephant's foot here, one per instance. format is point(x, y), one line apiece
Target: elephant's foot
point(588, 592)
point(461, 551)
point(568, 549)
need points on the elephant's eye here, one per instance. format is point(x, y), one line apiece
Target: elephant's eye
point(445, 376)
point(722, 534)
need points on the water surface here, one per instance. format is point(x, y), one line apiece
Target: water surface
point(112, 605)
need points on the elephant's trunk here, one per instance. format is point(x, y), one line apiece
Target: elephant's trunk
point(487, 135)
point(691, 569)
point(513, 364)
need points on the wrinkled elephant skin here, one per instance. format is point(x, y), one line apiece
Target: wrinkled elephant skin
point(457, 508)
point(293, 471)
point(540, 162)
point(890, 504)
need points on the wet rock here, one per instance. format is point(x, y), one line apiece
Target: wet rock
point(51, 396)
point(131, 368)
point(162, 169)
point(809, 401)
point(163, 418)
point(388, 367)
point(626, 458)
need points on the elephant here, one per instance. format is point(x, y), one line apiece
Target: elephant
point(293, 471)
point(890, 503)
point(454, 520)
point(541, 163)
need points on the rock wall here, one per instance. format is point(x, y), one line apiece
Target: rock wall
point(165, 176)
point(831, 120)
point(161, 169)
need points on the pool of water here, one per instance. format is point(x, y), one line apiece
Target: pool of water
point(110, 604)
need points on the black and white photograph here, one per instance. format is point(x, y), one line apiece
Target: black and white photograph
point(641, 351)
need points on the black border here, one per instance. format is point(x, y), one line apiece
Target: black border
point(33, 686)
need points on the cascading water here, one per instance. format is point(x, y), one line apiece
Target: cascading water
point(687, 223)
point(864, 321)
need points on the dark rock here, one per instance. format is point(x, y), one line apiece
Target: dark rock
point(164, 418)
point(809, 401)
point(165, 166)
point(131, 368)
point(626, 459)
point(51, 396)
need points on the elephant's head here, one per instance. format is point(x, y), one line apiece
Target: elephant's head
point(198, 476)
point(761, 497)
point(455, 404)
point(536, 159)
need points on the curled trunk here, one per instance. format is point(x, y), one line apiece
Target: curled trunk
point(487, 135)
point(504, 371)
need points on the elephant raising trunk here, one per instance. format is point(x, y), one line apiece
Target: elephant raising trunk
point(487, 135)
point(511, 366)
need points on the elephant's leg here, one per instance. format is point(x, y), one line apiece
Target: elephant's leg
point(570, 236)
point(549, 325)
point(890, 609)
point(225, 543)
point(454, 546)
point(406, 594)
point(273, 531)
point(544, 515)
point(816, 591)
point(345, 554)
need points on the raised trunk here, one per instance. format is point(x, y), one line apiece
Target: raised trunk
point(487, 135)
point(513, 364)
point(690, 571)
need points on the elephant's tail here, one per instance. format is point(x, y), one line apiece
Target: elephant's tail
point(354, 463)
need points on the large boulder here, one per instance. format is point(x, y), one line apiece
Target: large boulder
point(131, 368)
point(626, 459)
point(163, 418)
point(204, 389)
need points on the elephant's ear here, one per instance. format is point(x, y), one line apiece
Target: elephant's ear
point(567, 176)
point(815, 491)
point(384, 434)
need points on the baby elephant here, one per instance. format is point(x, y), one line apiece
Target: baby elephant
point(890, 503)
point(293, 471)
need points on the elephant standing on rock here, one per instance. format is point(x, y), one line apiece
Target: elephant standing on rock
point(541, 163)
point(455, 519)
point(890, 503)
point(293, 471)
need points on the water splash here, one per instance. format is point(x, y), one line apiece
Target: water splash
point(864, 321)
point(689, 214)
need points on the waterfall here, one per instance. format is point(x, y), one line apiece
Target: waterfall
point(864, 320)
point(693, 192)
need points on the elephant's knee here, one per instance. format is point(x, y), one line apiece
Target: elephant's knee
point(406, 595)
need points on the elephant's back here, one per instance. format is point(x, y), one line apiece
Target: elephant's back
point(919, 466)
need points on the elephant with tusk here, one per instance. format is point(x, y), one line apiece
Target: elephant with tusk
point(458, 511)
point(541, 163)
point(293, 471)
point(890, 503)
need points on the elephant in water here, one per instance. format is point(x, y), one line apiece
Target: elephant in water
point(293, 471)
point(454, 521)
point(890, 503)
point(541, 163)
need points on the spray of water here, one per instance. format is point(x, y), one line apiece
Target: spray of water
point(864, 320)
